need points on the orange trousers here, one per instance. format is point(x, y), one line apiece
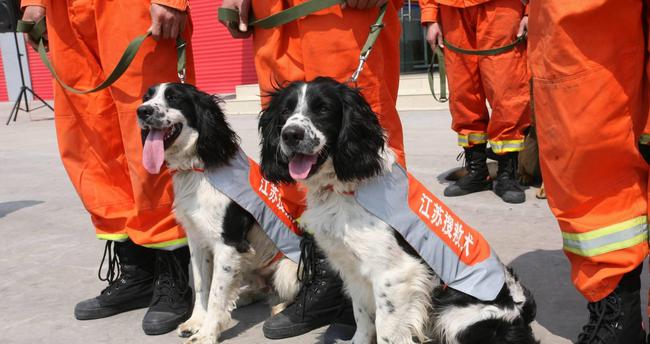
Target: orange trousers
point(589, 104)
point(99, 139)
point(328, 43)
point(502, 80)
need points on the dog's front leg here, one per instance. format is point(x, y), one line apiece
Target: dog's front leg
point(224, 290)
point(201, 258)
point(391, 318)
point(363, 305)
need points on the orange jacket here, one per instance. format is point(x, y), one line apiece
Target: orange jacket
point(429, 8)
point(180, 5)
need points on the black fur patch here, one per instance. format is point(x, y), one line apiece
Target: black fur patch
point(236, 224)
point(491, 331)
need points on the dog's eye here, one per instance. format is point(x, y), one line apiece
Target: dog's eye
point(171, 98)
point(323, 109)
point(286, 111)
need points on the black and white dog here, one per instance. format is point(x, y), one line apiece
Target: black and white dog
point(232, 257)
point(325, 135)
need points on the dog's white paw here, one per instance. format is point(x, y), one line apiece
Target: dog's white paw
point(190, 327)
point(201, 339)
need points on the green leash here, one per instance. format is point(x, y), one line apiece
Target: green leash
point(439, 55)
point(36, 31)
point(305, 9)
point(282, 17)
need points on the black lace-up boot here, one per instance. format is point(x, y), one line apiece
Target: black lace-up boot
point(130, 281)
point(320, 301)
point(616, 319)
point(171, 303)
point(477, 177)
point(506, 185)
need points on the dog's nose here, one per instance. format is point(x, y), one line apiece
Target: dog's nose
point(145, 111)
point(292, 135)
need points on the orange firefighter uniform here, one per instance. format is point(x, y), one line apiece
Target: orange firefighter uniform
point(99, 139)
point(589, 100)
point(328, 43)
point(500, 79)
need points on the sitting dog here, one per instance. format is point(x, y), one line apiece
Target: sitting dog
point(325, 135)
point(230, 252)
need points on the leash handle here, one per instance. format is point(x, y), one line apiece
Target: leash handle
point(442, 70)
point(439, 55)
point(486, 52)
point(36, 31)
point(282, 17)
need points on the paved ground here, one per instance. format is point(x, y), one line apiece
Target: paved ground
point(49, 255)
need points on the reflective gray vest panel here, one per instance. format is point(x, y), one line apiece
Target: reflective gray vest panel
point(233, 181)
point(386, 197)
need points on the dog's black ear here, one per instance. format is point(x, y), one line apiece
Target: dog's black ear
point(217, 142)
point(273, 163)
point(360, 144)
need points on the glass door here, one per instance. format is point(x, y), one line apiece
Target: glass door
point(415, 52)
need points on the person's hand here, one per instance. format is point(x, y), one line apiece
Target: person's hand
point(523, 26)
point(434, 35)
point(243, 7)
point(34, 13)
point(166, 22)
point(364, 4)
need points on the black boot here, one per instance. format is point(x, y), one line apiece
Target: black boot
point(616, 319)
point(477, 177)
point(130, 281)
point(172, 297)
point(319, 302)
point(506, 185)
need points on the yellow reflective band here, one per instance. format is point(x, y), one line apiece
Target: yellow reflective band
point(618, 227)
point(609, 248)
point(477, 138)
point(113, 237)
point(607, 239)
point(644, 139)
point(507, 146)
point(472, 138)
point(168, 244)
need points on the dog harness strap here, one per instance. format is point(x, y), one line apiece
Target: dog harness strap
point(243, 183)
point(36, 31)
point(457, 253)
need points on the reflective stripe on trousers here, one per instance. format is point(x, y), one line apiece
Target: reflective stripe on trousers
point(478, 273)
point(607, 239)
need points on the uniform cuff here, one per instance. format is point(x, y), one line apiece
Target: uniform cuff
point(429, 15)
point(25, 3)
point(180, 5)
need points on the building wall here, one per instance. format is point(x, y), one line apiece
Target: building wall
point(40, 76)
point(3, 86)
point(221, 62)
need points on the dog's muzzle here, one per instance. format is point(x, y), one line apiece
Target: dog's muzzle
point(298, 139)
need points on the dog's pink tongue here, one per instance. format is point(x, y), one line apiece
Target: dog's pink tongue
point(153, 153)
point(301, 164)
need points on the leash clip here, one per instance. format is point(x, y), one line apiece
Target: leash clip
point(362, 61)
point(181, 76)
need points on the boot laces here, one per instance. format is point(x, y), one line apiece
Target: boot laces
point(603, 321)
point(113, 273)
point(309, 269)
point(172, 282)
